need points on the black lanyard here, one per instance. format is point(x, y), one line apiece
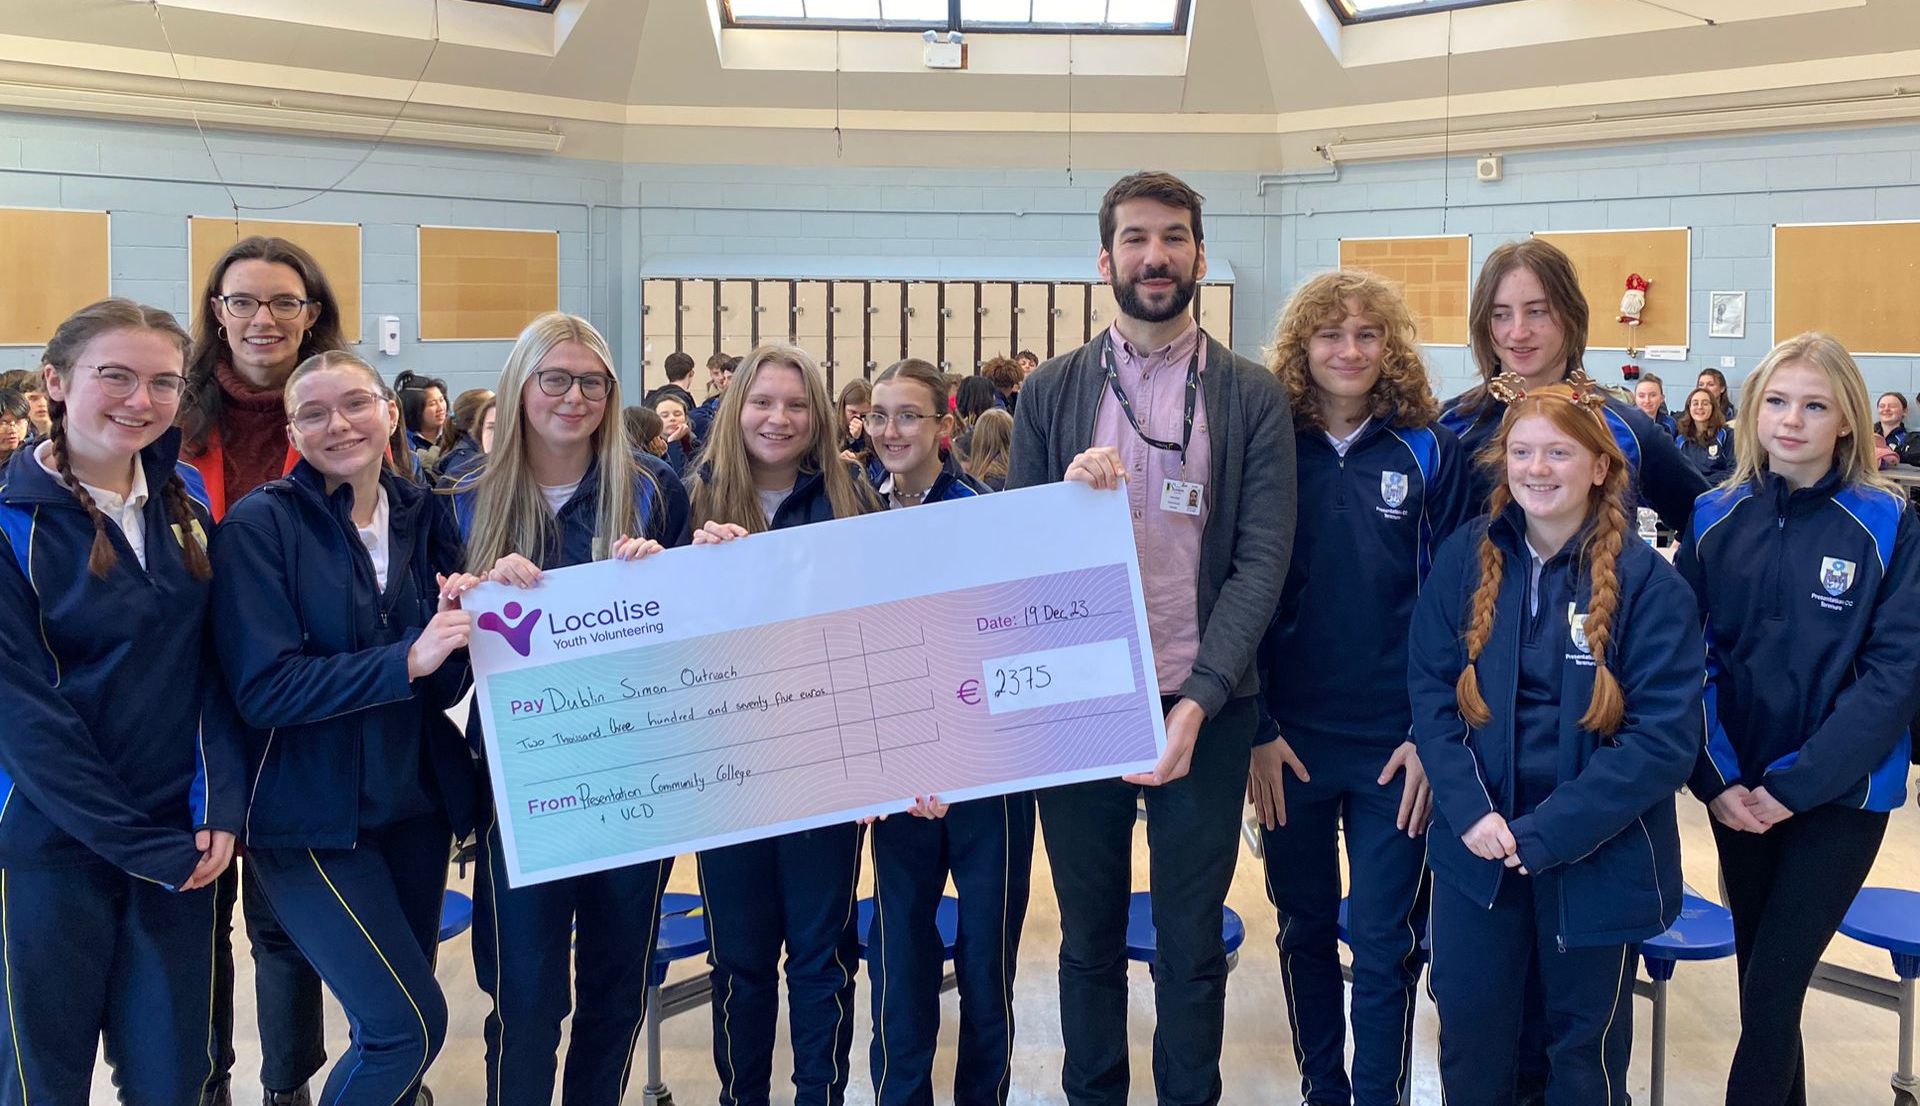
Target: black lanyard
point(1126, 405)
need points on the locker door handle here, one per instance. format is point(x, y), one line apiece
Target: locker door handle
point(876, 310)
point(946, 312)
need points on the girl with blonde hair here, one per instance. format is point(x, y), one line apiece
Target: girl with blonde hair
point(772, 460)
point(1555, 678)
point(1808, 579)
point(1380, 487)
point(562, 486)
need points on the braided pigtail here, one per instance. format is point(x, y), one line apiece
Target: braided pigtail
point(1607, 707)
point(180, 512)
point(1486, 597)
point(101, 558)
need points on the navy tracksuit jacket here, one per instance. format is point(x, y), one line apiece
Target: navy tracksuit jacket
point(1714, 461)
point(360, 780)
point(986, 845)
point(1811, 601)
point(120, 743)
point(602, 925)
point(1662, 478)
point(796, 891)
point(1593, 817)
point(1371, 522)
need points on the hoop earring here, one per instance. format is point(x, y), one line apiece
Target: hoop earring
point(222, 331)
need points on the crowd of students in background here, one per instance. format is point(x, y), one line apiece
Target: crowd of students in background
point(1425, 626)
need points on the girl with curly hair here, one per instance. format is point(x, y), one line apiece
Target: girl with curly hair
point(1380, 486)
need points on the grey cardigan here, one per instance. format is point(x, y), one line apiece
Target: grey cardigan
point(1249, 534)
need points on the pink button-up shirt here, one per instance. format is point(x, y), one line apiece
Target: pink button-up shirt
point(1155, 382)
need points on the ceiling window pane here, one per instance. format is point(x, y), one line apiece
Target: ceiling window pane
point(1124, 16)
point(1143, 13)
point(996, 11)
point(1354, 11)
point(1070, 11)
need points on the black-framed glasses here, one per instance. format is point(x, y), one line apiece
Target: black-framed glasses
point(312, 418)
point(558, 382)
point(906, 421)
point(285, 308)
point(121, 382)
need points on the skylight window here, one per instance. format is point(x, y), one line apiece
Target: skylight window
point(525, 5)
point(1111, 16)
point(1361, 11)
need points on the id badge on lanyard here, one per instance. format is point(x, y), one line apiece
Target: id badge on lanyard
point(1181, 497)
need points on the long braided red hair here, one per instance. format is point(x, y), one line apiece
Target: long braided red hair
point(1575, 412)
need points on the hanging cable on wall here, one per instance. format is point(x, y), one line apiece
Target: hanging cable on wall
point(213, 162)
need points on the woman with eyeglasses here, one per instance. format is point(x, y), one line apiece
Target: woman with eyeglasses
point(122, 781)
point(268, 307)
point(985, 845)
point(563, 486)
point(337, 590)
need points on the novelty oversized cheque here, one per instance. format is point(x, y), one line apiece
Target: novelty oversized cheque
point(711, 695)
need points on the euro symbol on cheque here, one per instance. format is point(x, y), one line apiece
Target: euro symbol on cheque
point(969, 693)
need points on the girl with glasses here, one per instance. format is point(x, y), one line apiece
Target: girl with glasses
point(772, 460)
point(562, 486)
point(985, 845)
point(338, 588)
point(120, 760)
point(268, 307)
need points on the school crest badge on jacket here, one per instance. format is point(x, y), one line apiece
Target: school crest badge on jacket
point(1393, 488)
point(1836, 575)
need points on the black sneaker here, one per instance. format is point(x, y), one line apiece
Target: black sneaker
point(287, 1098)
point(217, 1094)
point(424, 1098)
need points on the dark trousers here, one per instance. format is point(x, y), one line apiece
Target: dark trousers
point(1787, 889)
point(1481, 958)
point(530, 946)
point(368, 920)
point(1385, 869)
point(795, 890)
point(1193, 835)
point(286, 989)
point(88, 952)
point(987, 845)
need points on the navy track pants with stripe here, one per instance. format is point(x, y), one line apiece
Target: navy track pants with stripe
point(88, 951)
point(368, 920)
point(987, 846)
point(795, 890)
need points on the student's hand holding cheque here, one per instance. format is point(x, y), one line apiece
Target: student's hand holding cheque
point(713, 533)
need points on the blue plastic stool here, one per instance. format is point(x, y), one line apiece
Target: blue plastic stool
point(1889, 918)
point(456, 915)
point(1703, 931)
point(946, 918)
point(683, 934)
point(1141, 938)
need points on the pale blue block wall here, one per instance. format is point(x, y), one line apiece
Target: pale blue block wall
point(615, 220)
point(152, 177)
point(1730, 191)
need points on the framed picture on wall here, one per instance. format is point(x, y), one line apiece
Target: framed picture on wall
point(1727, 315)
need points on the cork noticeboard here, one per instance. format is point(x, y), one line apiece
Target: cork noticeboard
point(1605, 258)
point(1432, 274)
point(334, 246)
point(1856, 281)
point(52, 263)
point(486, 284)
